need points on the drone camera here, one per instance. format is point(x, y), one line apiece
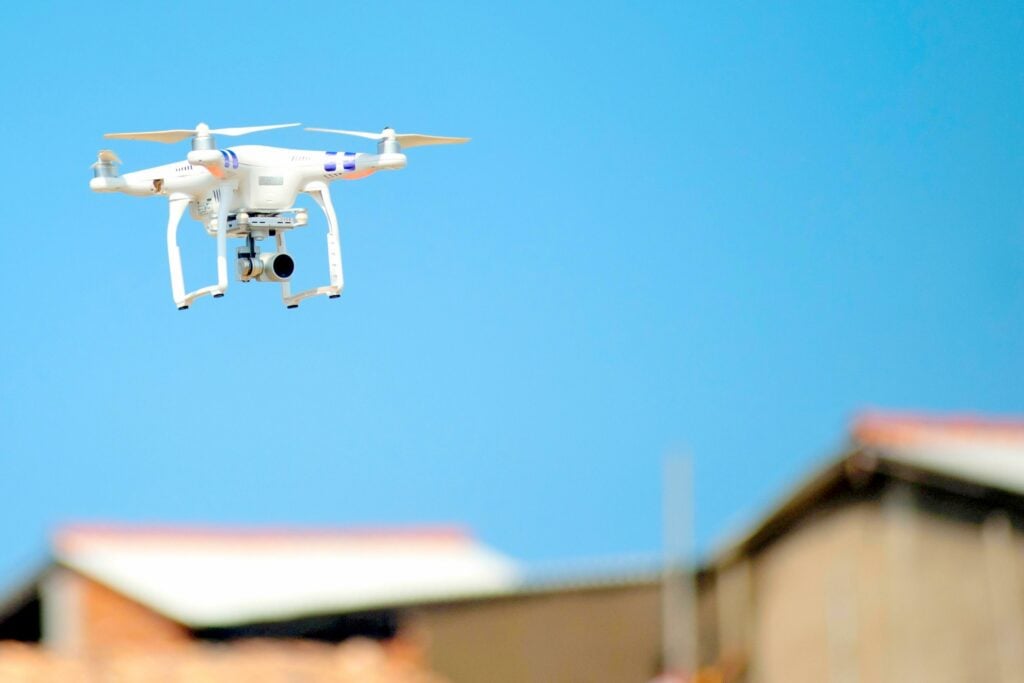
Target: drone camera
point(277, 267)
point(271, 267)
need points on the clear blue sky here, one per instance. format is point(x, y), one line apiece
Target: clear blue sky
point(724, 228)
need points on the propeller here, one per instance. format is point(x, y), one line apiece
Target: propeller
point(403, 139)
point(202, 130)
point(107, 156)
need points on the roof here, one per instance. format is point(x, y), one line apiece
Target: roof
point(981, 450)
point(984, 452)
point(214, 577)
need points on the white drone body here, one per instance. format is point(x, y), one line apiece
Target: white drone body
point(249, 192)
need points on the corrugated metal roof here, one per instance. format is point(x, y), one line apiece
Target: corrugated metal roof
point(981, 450)
point(220, 577)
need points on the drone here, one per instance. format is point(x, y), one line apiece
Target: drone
point(249, 192)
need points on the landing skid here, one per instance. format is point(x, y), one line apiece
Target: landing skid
point(322, 196)
point(252, 225)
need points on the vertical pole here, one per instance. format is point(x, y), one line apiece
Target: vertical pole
point(679, 590)
point(61, 593)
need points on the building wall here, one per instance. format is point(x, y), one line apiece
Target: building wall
point(900, 585)
point(596, 635)
point(82, 616)
point(808, 611)
point(941, 623)
point(890, 583)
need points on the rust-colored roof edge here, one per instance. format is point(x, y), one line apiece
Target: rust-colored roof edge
point(73, 532)
point(882, 427)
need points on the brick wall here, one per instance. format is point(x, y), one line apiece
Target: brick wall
point(354, 661)
point(83, 616)
point(113, 622)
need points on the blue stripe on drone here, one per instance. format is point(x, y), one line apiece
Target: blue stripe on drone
point(227, 159)
point(330, 166)
point(234, 159)
point(350, 161)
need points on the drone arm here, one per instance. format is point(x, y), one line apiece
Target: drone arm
point(217, 162)
point(322, 196)
point(365, 164)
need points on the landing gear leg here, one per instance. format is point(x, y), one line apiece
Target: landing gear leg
point(178, 203)
point(286, 286)
point(322, 196)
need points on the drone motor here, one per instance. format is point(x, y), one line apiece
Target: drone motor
point(106, 165)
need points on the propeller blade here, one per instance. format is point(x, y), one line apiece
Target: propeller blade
point(179, 134)
point(356, 133)
point(166, 136)
point(250, 129)
point(404, 139)
point(417, 140)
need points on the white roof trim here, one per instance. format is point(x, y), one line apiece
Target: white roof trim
point(202, 584)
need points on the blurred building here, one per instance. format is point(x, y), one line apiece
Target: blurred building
point(185, 604)
point(900, 559)
point(116, 587)
point(164, 599)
